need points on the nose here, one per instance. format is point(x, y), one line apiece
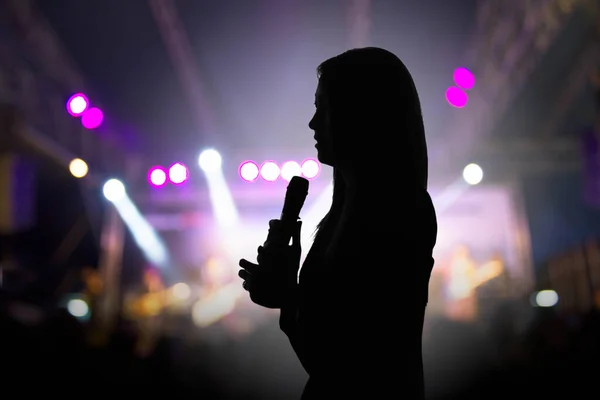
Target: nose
point(312, 122)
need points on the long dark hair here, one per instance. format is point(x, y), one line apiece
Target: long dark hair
point(370, 89)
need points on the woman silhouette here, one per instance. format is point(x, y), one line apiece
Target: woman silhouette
point(355, 316)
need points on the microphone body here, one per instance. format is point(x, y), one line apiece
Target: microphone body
point(295, 195)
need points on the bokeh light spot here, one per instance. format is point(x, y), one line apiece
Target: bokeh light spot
point(113, 190)
point(464, 78)
point(77, 104)
point(473, 174)
point(78, 168)
point(249, 171)
point(270, 171)
point(290, 169)
point(456, 97)
point(310, 168)
point(92, 118)
point(157, 176)
point(178, 173)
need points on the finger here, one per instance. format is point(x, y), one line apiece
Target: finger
point(274, 223)
point(259, 252)
point(271, 253)
point(245, 275)
point(246, 286)
point(248, 266)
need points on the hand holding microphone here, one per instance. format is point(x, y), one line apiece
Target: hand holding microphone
point(275, 274)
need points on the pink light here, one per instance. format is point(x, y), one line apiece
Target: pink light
point(77, 104)
point(310, 168)
point(464, 78)
point(92, 118)
point(157, 176)
point(249, 171)
point(270, 171)
point(178, 173)
point(456, 97)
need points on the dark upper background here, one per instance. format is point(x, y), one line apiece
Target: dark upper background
point(257, 61)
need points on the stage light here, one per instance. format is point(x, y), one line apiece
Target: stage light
point(113, 190)
point(546, 298)
point(456, 97)
point(210, 160)
point(249, 171)
point(77, 104)
point(92, 118)
point(178, 173)
point(464, 78)
point(182, 291)
point(310, 168)
point(78, 308)
point(473, 174)
point(157, 176)
point(270, 171)
point(290, 169)
point(78, 168)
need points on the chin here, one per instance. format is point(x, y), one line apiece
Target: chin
point(323, 159)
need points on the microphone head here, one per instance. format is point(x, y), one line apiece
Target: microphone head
point(295, 196)
point(298, 183)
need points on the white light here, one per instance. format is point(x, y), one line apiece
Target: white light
point(182, 291)
point(158, 177)
point(210, 160)
point(472, 174)
point(270, 171)
point(77, 308)
point(114, 190)
point(310, 169)
point(249, 171)
point(78, 168)
point(178, 173)
point(290, 169)
point(546, 298)
point(212, 308)
point(78, 105)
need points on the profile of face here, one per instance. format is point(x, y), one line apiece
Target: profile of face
point(321, 125)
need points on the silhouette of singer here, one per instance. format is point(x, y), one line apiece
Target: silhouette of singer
point(355, 315)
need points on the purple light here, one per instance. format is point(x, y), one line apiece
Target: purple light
point(77, 104)
point(456, 97)
point(249, 171)
point(92, 118)
point(178, 173)
point(157, 176)
point(310, 168)
point(464, 78)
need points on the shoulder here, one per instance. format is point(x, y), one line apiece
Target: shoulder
point(406, 228)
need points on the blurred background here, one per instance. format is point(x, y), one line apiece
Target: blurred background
point(145, 144)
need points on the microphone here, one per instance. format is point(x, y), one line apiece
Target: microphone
point(295, 196)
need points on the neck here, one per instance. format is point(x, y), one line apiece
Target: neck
point(363, 187)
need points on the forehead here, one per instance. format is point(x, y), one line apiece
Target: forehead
point(319, 92)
